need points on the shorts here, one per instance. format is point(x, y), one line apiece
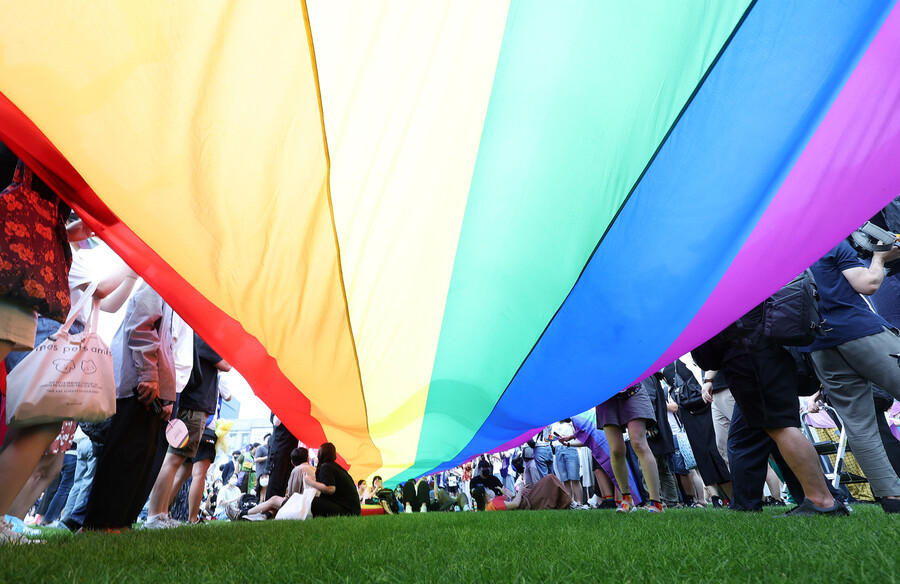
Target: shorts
point(764, 383)
point(18, 324)
point(618, 411)
point(206, 451)
point(568, 463)
point(195, 422)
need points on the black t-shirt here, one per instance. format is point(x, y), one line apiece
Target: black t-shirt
point(345, 494)
point(201, 393)
point(490, 483)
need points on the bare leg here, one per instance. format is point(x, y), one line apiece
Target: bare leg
point(273, 504)
point(800, 455)
point(773, 483)
point(637, 430)
point(574, 488)
point(603, 483)
point(181, 475)
point(699, 487)
point(162, 488)
point(25, 471)
point(617, 455)
point(195, 495)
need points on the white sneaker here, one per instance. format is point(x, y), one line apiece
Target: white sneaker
point(172, 522)
point(160, 521)
point(467, 508)
point(423, 508)
point(408, 508)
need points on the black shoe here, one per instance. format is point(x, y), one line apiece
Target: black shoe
point(607, 504)
point(890, 505)
point(807, 509)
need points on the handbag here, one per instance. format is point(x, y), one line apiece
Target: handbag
point(297, 506)
point(684, 447)
point(689, 397)
point(34, 249)
point(67, 377)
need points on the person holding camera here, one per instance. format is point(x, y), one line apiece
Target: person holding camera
point(852, 351)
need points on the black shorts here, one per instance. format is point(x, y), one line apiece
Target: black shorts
point(763, 380)
point(206, 451)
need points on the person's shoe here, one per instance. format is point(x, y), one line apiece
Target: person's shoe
point(254, 517)
point(607, 504)
point(807, 509)
point(160, 521)
point(655, 507)
point(890, 505)
point(173, 522)
point(625, 507)
point(423, 508)
point(466, 508)
point(699, 505)
point(408, 508)
point(70, 524)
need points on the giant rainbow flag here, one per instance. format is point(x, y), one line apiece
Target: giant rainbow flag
point(420, 229)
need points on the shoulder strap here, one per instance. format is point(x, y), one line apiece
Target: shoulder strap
point(88, 296)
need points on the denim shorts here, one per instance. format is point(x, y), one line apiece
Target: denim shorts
point(568, 463)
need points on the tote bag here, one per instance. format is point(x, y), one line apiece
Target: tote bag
point(67, 377)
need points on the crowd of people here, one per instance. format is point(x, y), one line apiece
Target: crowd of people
point(723, 426)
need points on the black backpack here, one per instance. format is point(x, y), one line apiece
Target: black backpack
point(248, 502)
point(791, 316)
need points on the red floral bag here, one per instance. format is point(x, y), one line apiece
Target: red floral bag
point(34, 250)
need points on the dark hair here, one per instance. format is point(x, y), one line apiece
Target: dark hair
point(360, 482)
point(236, 453)
point(327, 453)
point(299, 456)
point(484, 464)
point(377, 478)
point(267, 436)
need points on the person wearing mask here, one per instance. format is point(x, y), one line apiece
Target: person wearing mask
point(227, 495)
point(483, 484)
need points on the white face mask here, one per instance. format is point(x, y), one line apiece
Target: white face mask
point(264, 481)
point(232, 482)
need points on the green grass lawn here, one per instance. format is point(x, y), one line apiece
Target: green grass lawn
point(687, 545)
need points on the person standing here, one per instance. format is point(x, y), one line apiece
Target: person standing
point(197, 402)
point(143, 358)
point(630, 409)
point(852, 351)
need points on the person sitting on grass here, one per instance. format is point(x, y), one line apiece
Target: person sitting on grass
point(226, 496)
point(416, 495)
point(338, 491)
point(377, 494)
point(269, 508)
point(484, 483)
point(361, 489)
point(444, 501)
